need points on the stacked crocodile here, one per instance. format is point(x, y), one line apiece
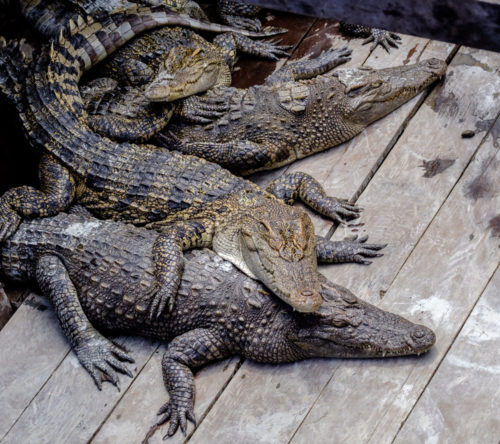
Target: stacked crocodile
point(120, 277)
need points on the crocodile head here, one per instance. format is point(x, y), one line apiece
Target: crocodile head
point(370, 94)
point(276, 244)
point(348, 327)
point(187, 71)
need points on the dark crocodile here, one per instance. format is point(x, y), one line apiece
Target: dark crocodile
point(196, 203)
point(272, 125)
point(100, 274)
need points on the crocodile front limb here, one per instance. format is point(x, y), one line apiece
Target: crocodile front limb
point(98, 355)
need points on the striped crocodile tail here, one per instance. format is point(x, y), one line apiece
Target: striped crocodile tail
point(116, 29)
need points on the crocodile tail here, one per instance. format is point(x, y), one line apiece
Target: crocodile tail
point(48, 18)
point(15, 63)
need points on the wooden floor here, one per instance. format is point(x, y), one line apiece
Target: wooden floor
point(431, 194)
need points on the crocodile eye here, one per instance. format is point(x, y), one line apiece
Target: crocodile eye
point(340, 322)
point(364, 106)
point(376, 83)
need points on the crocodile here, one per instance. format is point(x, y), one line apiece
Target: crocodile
point(267, 126)
point(99, 275)
point(122, 104)
point(130, 98)
point(194, 203)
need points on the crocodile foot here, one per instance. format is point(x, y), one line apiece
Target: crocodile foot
point(249, 23)
point(179, 411)
point(202, 109)
point(101, 358)
point(9, 221)
point(164, 297)
point(336, 56)
point(273, 30)
point(357, 250)
point(271, 49)
point(340, 210)
point(384, 38)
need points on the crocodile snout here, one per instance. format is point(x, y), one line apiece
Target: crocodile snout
point(306, 300)
point(435, 65)
point(421, 338)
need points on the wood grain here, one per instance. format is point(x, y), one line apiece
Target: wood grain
point(31, 347)
point(461, 401)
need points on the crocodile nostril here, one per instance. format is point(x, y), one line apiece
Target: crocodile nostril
point(418, 333)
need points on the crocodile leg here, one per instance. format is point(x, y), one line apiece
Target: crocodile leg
point(233, 43)
point(375, 35)
point(236, 154)
point(200, 109)
point(192, 349)
point(98, 355)
point(349, 250)
point(291, 186)
point(57, 191)
point(239, 14)
point(306, 69)
point(138, 128)
point(168, 258)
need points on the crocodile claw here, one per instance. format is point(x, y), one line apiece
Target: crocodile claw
point(359, 250)
point(384, 38)
point(249, 23)
point(178, 415)
point(340, 210)
point(101, 357)
point(202, 109)
point(164, 297)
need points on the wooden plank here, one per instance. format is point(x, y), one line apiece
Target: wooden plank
point(133, 418)
point(31, 347)
point(418, 173)
point(439, 285)
point(69, 408)
point(243, 410)
point(465, 22)
point(461, 401)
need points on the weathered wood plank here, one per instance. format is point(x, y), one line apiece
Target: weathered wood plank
point(462, 400)
point(31, 347)
point(133, 418)
point(69, 408)
point(240, 409)
point(439, 284)
point(418, 173)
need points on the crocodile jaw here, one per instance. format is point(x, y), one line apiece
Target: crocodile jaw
point(371, 94)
